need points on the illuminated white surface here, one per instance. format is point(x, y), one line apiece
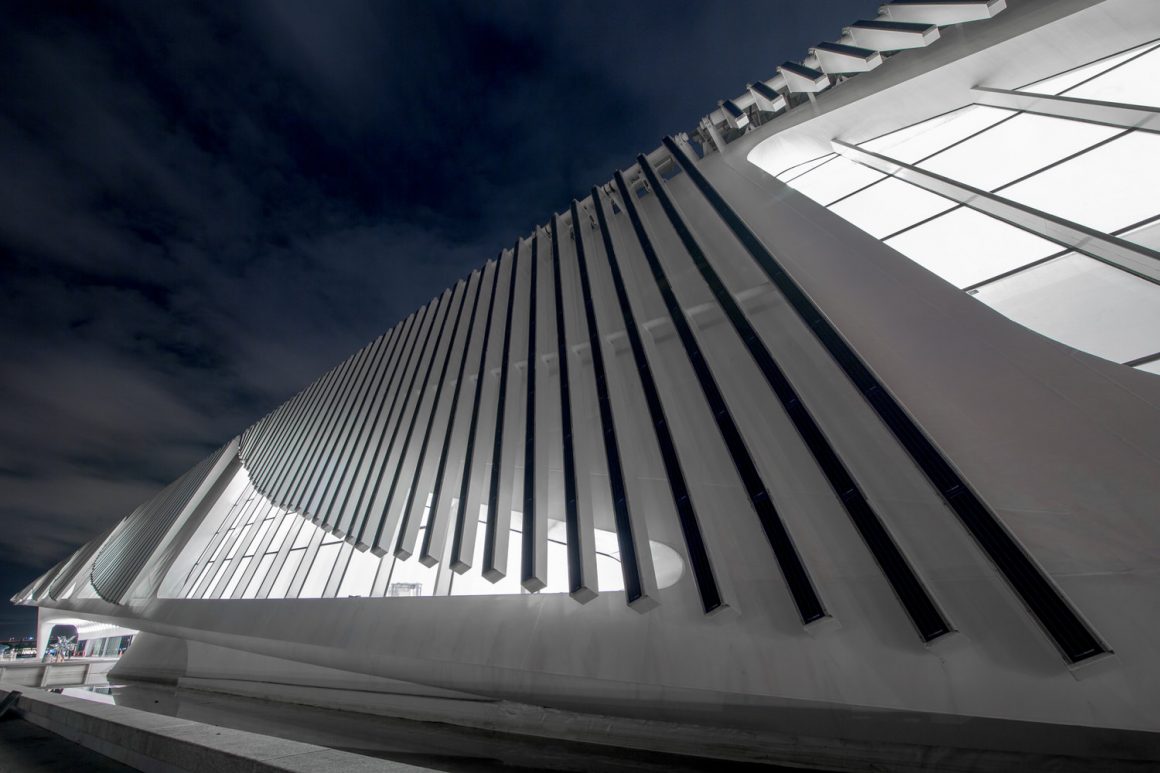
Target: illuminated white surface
point(319, 571)
point(1146, 235)
point(965, 246)
point(834, 179)
point(1135, 83)
point(915, 143)
point(890, 206)
point(1107, 188)
point(1064, 81)
point(1015, 148)
point(800, 169)
point(1084, 304)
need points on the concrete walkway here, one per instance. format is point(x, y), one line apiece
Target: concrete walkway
point(26, 748)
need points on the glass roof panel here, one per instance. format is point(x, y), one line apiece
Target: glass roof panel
point(799, 169)
point(1107, 188)
point(834, 180)
point(1015, 148)
point(1136, 83)
point(1059, 83)
point(923, 139)
point(1083, 303)
point(1146, 235)
point(890, 206)
point(965, 246)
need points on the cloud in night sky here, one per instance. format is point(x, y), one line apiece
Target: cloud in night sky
point(203, 207)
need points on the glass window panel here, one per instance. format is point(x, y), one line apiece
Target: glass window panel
point(286, 574)
point(1084, 304)
point(280, 535)
point(1150, 367)
point(411, 578)
point(302, 536)
point(220, 570)
point(238, 574)
point(921, 140)
point(889, 206)
point(1069, 79)
point(360, 574)
point(200, 576)
point(1146, 235)
point(1106, 188)
point(227, 538)
point(965, 246)
point(558, 558)
point(1015, 148)
point(256, 542)
point(834, 180)
point(1136, 83)
point(243, 535)
point(606, 542)
point(259, 576)
point(319, 572)
point(608, 573)
point(797, 170)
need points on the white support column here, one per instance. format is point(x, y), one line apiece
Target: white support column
point(1128, 116)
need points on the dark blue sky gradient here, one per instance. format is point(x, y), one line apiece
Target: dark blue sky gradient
point(203, 206)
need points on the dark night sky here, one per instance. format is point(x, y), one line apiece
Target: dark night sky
point(202, 207)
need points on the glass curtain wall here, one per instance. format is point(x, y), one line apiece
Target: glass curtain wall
point(262, 551)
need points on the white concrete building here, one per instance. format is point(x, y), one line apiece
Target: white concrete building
point(828, 433)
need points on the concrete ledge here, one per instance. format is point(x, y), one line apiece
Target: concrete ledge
point(33, 673)
point(162, 744)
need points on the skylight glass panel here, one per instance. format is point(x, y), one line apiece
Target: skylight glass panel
point(890, 206)
point(360, 574)
point(319, 572)
point(238, 574)
point(286, 574)
point(964, 246)
point(259, 576)
point(1015, 148)
point(1083, 303)
point(1146, 236)
point(799, 169)
point(921, 140)
point(835, 179)
point(1135, 83)
point(1059, 83)
point(1107, 188)
point(410, 577)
